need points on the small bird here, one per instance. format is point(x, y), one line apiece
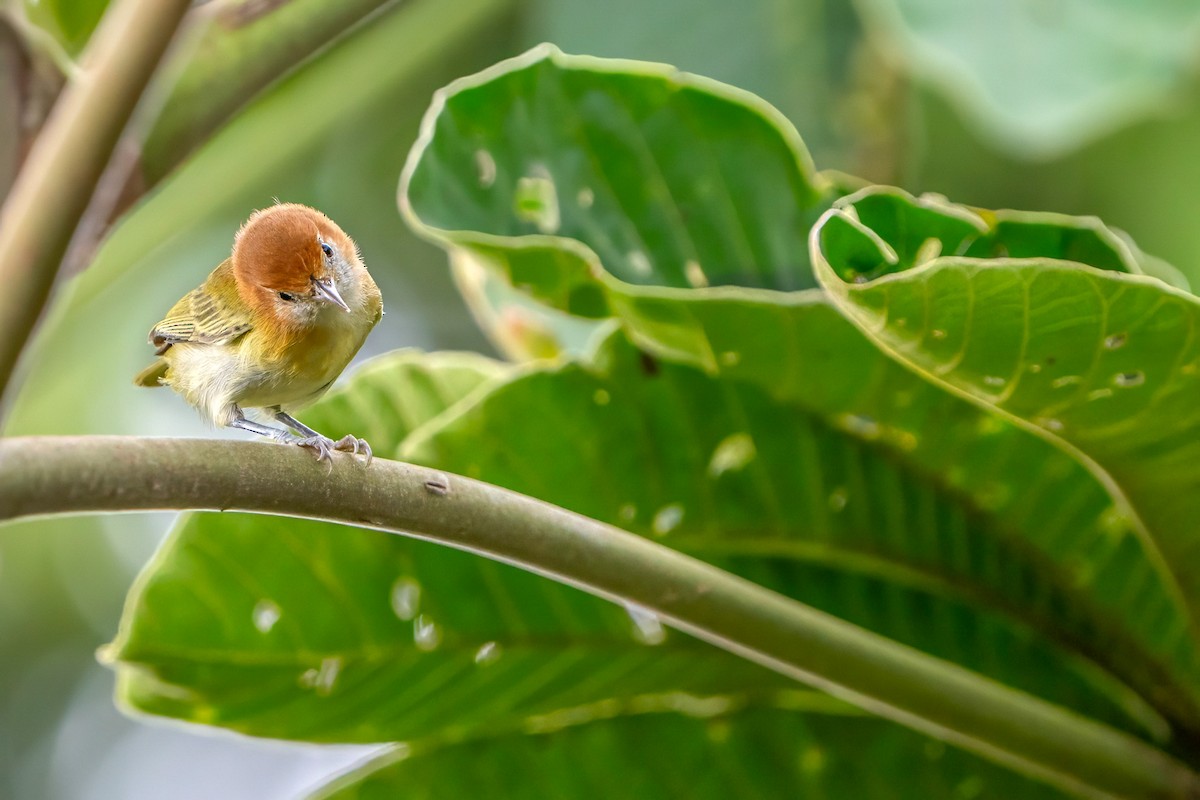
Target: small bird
point(271, 328)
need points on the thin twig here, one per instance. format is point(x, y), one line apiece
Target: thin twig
point(48, 475)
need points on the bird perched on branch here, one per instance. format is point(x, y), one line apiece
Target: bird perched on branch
point(271, 328)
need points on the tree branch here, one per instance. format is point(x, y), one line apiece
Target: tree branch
point(51, 193)
point(51, 475)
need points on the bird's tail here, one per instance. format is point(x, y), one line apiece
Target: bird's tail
point(152, 375)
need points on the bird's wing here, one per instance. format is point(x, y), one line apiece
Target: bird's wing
point(203, 315)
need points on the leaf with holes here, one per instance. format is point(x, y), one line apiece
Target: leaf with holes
point(736, 419)
point(1098, 360)
point(252, 623)
point(847, 514)
point(715, 468)
point(792, 345)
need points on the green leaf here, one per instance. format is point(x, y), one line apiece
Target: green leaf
point(733, 482)
point(391, 396)
point(746, 753)
point(729, 198)
point(1101, 364)
point(669, 177)
point(819, 511)
point(1057, 77)
point(718, 435)
point(520, 327)
point(422, 639)
point(793, 345)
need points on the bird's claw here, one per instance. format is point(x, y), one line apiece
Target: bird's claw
point(323, 446)
point(352, 444)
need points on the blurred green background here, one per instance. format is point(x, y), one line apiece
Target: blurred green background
point(1072, 106)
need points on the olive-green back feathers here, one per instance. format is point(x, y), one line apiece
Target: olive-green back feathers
point(212, 313)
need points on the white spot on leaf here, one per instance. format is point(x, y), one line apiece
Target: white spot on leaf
point(647, 627)
point(406, 598)
point(639, 262)
point(667, 519)
point(485, 165)
point(536, 201)
point(733, 453)
point(488, 653)
point(266, 614)
point(695, 274)
point(426, 633)
point(322, 679)
point(860, 425)
point(1127, 380)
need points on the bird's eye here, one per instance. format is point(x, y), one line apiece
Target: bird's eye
point(286, 296)
point(328, 250)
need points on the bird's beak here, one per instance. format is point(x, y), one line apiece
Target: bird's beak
point(326, 291)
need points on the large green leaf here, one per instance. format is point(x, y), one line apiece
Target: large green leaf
point(336, 634)
point(421, 639)
point(755, 427)
point(721, 470)
point(668, 176)
point(792, 344)
point(746, 753)
point(1102, 364)
point(715, 468)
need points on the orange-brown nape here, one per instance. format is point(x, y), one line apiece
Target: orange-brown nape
point(279, 249)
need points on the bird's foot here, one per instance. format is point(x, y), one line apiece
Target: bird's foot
point(352, 444)
point(323, 446)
